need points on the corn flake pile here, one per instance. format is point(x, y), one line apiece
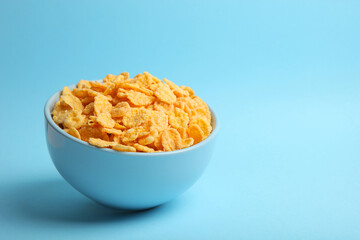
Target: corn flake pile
point(143, 114)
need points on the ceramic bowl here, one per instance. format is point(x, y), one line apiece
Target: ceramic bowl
point(125, 180)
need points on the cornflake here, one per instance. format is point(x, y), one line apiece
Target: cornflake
point(140, 114)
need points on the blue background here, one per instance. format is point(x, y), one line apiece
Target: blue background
point(283, 76)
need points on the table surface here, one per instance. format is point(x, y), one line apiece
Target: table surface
point(283, 77)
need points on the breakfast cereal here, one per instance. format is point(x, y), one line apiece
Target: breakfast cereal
point(140, 114)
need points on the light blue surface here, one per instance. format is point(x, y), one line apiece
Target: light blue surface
point(283, 76)
point(126, 180)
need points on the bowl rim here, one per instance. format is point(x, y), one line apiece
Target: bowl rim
point(49, 120)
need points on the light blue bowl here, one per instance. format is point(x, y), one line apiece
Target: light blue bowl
point(125, 180)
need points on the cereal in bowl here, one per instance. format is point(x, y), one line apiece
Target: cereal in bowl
point(140, 114)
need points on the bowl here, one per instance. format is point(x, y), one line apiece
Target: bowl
point(125, 180)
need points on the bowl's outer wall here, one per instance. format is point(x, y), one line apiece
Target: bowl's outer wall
point(124, 180)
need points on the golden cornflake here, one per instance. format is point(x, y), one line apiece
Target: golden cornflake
point(124, 148)
point(71, 101)
point(188, 89)
point(187, 142)
point(112, 131)
point(66, 91)
point(60, 113)
point(92, 93)
point(135, 117)
point(164, 93)
point(146, 140)
point(179, 119)
point(105, 120)
point(158, 120)
point(102, 104)
point(136, 87)
point(86, 100)
point(176, 89)
point(171, 140)
point(92, 121)
point(203, 124)
point(89, 109)
point(98, 86)
point(83, 84)
point(80, 92)
point(126, 75)
point(163, 107)
point(202, 113)
point(132, 134)
point(142, 148)
point(195, 132)
point(109, 78)
point(140, 99)
point(119, 126)
point(101, 143)
point(114, 85)
point(87, 132)
point(120, 109)
point(73, 132)
point(74, 119)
